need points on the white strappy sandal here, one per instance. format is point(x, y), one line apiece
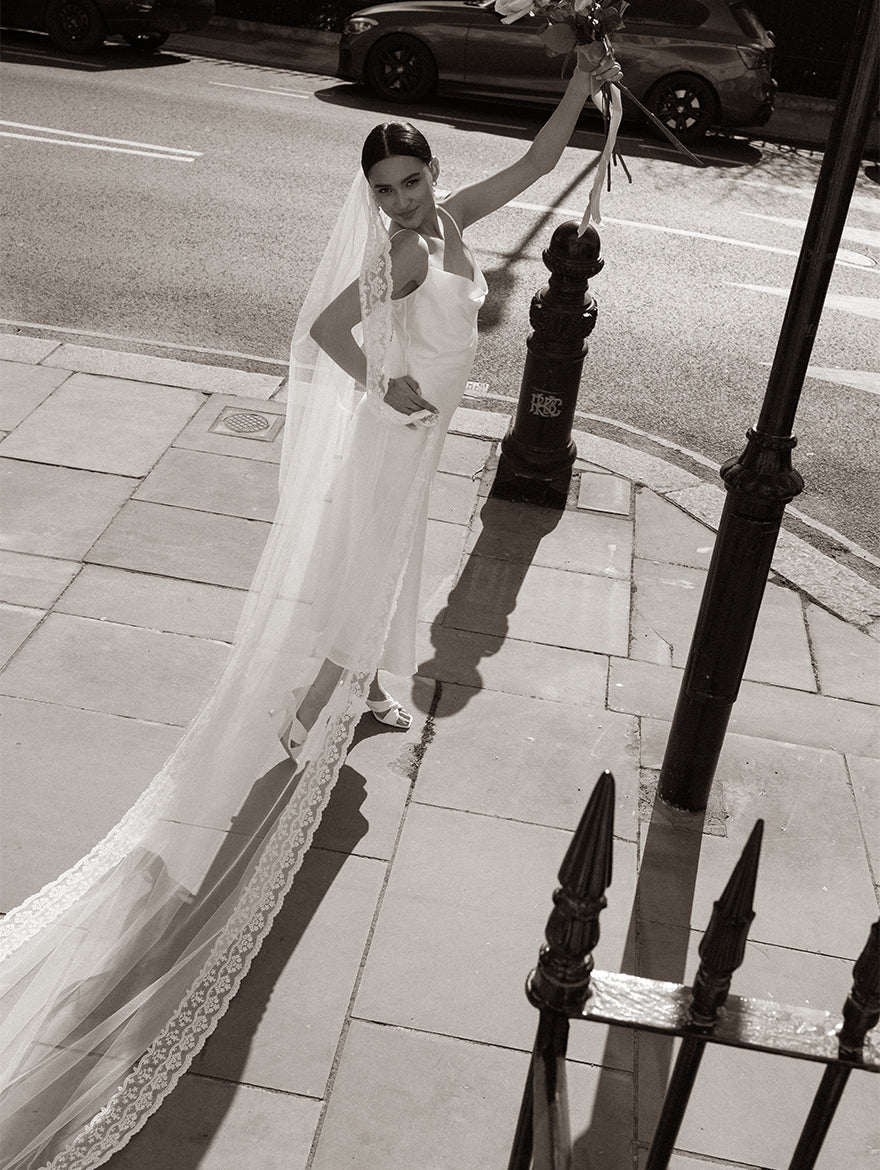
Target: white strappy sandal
point(293, 736)
point(390, 713)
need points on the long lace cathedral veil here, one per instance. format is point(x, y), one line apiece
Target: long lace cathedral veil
point(113, 976)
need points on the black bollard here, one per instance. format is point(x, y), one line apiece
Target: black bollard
point(537, 453)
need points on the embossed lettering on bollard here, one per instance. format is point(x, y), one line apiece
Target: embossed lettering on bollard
point(545, 405)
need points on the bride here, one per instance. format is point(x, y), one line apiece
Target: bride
point(113, 976)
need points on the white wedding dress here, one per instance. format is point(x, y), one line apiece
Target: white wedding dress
point(113, 976)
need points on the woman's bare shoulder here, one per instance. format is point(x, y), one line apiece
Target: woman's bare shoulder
point(409, 261)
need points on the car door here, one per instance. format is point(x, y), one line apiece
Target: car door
point(510, 57)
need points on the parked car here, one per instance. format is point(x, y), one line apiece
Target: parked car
point(80, 26)
point(693, 63)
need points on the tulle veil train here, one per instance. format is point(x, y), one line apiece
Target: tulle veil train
point(113, 976)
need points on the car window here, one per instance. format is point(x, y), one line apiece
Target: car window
point(681, 13)
point(747, 21)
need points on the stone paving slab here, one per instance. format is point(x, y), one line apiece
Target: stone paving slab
point(750, 1106)
point(369, 800)
point(644, 688)
point(665, 606)
point(504, 755)
point(103, 424)
point(465, 907)
point(16, 624)
point(470, 659)
point(463, 455)
point(443, 554)
point(865, 779)
point(198, 436)
point(213, 483)
point(453, 498)
point(154, 603)
point(57, 511)
point(23, 387)
point(512, 599)
point(604, 493)
point(847, 661)
point(829, 582)
point(479, 424)
point(123, 670)
point(180, 542)
point(282, 1029)
point(206, 1124)
point(164, 371)
point(26, 579)
point(767, 972)
point(578, 543)
point(17, 348)
point(388, 1076)
point(52, 755)
point(666, 534)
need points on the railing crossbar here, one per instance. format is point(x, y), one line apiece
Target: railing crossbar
point(760, 1025)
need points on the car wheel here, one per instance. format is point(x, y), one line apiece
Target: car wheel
point(146, 42)
point(685, 103)
point(76, 26)
point(401, 69)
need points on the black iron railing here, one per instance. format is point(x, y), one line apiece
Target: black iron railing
point(565, 987)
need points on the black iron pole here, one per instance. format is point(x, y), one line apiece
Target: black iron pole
point(761, 481)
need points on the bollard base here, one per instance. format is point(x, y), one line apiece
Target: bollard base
point(526, 489)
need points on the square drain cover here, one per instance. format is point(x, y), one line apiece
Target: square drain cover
point(247, 424)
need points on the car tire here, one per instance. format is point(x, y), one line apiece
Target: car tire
point(685, 103)
point(146, 42)
point(75, 26)
point(400, 69)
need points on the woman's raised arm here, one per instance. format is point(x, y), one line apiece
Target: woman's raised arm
point(479, 199)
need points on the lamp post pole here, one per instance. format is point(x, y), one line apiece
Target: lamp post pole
point(761, 481)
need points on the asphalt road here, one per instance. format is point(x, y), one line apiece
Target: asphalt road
point(178, 205)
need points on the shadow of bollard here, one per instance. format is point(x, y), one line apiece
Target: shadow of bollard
point(474, 622)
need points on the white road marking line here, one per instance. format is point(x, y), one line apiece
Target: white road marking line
point(447, 120)
point(97, 146)
point(10, 51)
point(865, 236)
point(861, 306)
point(865, 380)
point(99, 138)
point(847, 259)
point(254, 89)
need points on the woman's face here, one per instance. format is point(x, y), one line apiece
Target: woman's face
point(404, 190)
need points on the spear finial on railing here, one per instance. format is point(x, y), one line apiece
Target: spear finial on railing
point(561, 981)
point(861, 1012)
point(724, 944)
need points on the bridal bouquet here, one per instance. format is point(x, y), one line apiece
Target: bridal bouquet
point(569, 22)
point(586, 28)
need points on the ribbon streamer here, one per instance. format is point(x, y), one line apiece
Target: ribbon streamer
point(593, 212)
